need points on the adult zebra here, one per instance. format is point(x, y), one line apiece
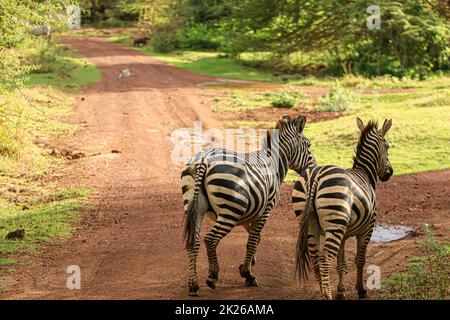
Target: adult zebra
point(238, 189)
point(340, 204)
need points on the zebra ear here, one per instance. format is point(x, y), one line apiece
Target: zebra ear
point(386, 126)
point(360, 124)
point(281, 124)
point(301, 122)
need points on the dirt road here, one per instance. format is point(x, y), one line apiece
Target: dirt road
point(130, 246)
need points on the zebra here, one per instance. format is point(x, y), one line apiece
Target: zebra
point(339, 204)
point(43, 30)
point(238, 189)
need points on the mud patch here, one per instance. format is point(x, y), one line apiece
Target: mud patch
point(384, 233)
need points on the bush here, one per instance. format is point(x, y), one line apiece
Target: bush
point(165, 41)
point(425, 278)
point(412, 42)
point(286, 98)
point(338, 99)
point(198, 37)
point(46, 57)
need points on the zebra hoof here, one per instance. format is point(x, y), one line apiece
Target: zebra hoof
point(251, 282)
point(194, 293)
point(194, 290)
point(340, 296)
point(363, 294)
point(211, 283)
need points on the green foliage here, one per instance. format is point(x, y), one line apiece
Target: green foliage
point(16, 19)
point(165, 41)
point(413, 40)
point(337, 99)
point(424, 278)
point(109, 13)
point(284, 98)
point(47, 220)
point(197, 37)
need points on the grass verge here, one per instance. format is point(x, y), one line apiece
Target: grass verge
point(422, 278)
point(27, 200)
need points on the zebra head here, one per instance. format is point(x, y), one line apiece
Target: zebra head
point(373, 147)
point(294, 144)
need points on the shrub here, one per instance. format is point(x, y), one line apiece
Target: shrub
point(46, 57)
point(198, 37)
point(337, 99)
point(422, 277)
point(287, 98)
point(165, 40)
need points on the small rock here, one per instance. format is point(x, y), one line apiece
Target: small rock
point(116, 151)
point(78, 155)
point(17, 234)
point(25, 207)
point(82, 99)
point(55, 152)
point(125, 73)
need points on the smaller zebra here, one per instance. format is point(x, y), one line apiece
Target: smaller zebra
point(339, 204)
point(43, 30)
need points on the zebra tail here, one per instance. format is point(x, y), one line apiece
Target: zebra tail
point(191, 229)
point(303, 258)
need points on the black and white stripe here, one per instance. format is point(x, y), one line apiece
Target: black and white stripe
point(339, 204)
point(44, 30)
point(239, 189)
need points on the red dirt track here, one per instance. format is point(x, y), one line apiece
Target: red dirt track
point(130, 246)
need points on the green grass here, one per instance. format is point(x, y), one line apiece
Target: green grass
point(419, 137)
point(43, 223)
point(210, 64)
point(7, 261)
point(82, 73)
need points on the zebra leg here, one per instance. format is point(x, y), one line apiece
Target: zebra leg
point(360, 260)
point(252, 244)
point(220, 229)
point(192, 261)
point(248, 228)
point(342, 270)
point(314, 248)
point(326, 257)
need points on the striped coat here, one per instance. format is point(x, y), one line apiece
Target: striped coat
point(339, 204)
point(238, 189)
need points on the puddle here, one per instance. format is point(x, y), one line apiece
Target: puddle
point(383, 233)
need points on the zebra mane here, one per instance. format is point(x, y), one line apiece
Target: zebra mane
point(285, 121)
point(363, 138)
